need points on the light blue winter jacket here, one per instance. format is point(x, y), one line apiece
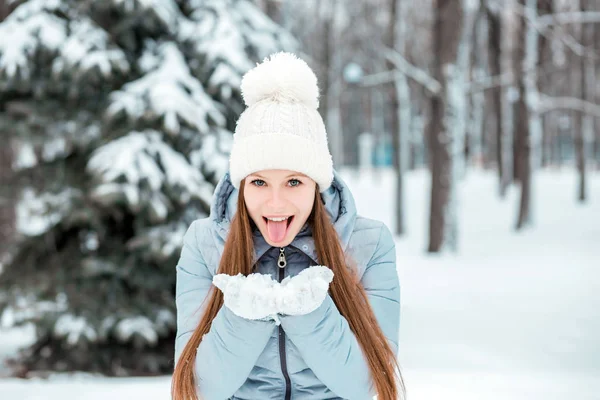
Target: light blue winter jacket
point(313, 356)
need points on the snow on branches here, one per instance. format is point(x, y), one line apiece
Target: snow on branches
point(169, 92)
point(70, 43)
point(140, 170)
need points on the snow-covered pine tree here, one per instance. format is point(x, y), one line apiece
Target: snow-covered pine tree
point(120, 114)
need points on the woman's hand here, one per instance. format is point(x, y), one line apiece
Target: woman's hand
point(258, 296)
point(304, 292)
point(250, 297)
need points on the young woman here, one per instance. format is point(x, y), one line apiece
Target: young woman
point(284, 292)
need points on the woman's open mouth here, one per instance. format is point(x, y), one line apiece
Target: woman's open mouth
point(277, 227)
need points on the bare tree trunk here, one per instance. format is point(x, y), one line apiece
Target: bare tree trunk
point(325, 57)
point(333, 118)
point(544, 78)
point(523, 156)
point(459, 99)
point(439, 150)
point(520, 133)
point(448, 25)
point(477, 133)
point(4, 9)
point(546, 140)
point(7, 201)
point(522, 146)
point(555, 143)
point(495, 52)
point(404, 114)
point(531, 133)
point(440, 171)
point(273, 10)
point(550, 128)
point(596, 47)
point(584, 136)
point(393, 91)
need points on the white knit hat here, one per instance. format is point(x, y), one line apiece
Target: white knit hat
point(281, 128)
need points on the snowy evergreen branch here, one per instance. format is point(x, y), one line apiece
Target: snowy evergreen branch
point(169, 92)
point(221, 32)
point(26, 308)
point(165, 12)
point(20, 37)
point(73, 44)
point(88, 48)
point(136, 169)
point(213, 157)
point(159, 242)
point(62, 138)
point(37, 213)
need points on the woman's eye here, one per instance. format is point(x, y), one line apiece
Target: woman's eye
point(258, 182)
point(294, 182)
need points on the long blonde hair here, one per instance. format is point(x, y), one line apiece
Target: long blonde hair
point(346, 291)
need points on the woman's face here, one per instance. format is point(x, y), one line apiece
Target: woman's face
point(279, 202)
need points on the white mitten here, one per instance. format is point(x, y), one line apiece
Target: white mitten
point(250, 297)
point(304, 292)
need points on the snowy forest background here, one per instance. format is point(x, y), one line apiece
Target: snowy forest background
point(116, 119)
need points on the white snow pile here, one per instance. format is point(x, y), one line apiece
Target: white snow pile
point(258, 296)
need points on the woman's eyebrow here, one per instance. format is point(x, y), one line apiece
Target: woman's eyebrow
point(289, 176)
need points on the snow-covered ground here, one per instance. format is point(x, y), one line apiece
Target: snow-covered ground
point(511, 316)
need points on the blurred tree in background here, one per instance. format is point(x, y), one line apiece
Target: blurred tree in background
point(119, 116)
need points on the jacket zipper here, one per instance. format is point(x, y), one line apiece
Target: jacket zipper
point(281, 263)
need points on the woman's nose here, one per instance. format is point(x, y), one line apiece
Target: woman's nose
point(276, 199)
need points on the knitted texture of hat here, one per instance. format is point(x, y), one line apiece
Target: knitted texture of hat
point(281, 127)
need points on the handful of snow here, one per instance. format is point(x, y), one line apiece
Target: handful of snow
point(250, 297)
point(304, 292)
point(258, 296)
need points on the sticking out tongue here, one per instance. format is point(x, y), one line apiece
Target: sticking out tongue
point(276, 230)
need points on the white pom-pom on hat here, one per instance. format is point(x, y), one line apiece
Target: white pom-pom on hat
point(281, 77)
